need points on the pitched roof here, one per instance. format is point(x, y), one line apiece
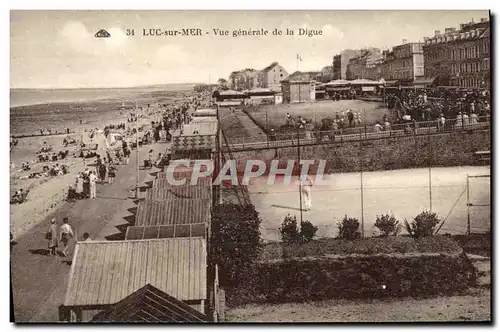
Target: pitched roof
point(149, 304)
point(105, 272)
point(301, 76)
point(268, 68)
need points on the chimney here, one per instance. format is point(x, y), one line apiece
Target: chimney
point(437, 33)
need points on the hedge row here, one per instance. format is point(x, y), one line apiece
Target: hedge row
point(355, 275)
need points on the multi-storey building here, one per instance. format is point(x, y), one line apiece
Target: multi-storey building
point(365, 65)
point(460, 58)
point(244, 79)
point(340, 62)
point(404, 63)
point(271, 76)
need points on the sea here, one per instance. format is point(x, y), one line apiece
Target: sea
point(57, 109)
point(27, 97)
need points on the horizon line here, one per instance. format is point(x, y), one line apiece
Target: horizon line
point(104, 87)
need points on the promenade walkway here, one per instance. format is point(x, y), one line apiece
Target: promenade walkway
point(38, 281)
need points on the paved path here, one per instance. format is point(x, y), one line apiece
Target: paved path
point(39, 281)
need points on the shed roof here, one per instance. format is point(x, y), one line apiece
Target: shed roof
point(179, 192)
point(149, 304)
point(164, 232)
point(173, 212)
point(164, 183)
point(105, 272)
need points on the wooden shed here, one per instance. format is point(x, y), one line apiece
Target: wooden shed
point(103, 273)
point(298, 88)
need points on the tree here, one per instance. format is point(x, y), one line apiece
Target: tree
point(223, 83)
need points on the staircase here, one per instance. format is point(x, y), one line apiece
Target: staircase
point(483, 267)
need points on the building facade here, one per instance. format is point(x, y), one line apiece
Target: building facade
point(299, 87)
point(365, 66)
point(460, 58)
point(405, 62)
point(271, 76)
point(341, 61)
point(246, 79)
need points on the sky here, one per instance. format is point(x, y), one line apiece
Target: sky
point(57, 49)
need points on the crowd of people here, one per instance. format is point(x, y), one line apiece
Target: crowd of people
point(432, 104)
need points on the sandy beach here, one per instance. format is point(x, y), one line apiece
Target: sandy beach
point(47, 193)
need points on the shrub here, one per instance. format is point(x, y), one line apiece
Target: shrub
point(291, 234)
point(423, 224)
point(307, 231)
point(348, 228)
point(235, 241)
point(289, 230)
point(388, 225)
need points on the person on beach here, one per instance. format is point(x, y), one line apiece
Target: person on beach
point(66, 232)
point(111, 174)
point(79, 185)
point(102, 172)
point(92, 185)
point(52, 237)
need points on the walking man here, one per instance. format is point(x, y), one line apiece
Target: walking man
point(92, 182)
point(66, 232)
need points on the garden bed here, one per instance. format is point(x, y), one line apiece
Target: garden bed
point(365, 268)
point(366, 246)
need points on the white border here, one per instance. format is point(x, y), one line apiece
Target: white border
point(185, 4)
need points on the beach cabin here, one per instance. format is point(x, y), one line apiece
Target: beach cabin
point(260, 96)
point(198, 137)
point(227, 98)
point(104, 273)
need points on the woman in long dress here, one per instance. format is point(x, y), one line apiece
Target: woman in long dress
point(79, 185)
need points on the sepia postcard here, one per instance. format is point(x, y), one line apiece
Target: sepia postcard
point(250, 166)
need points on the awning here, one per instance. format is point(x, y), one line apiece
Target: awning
point(368, 88)
point(424, 80)
point(389, 83)
point(338, 89)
